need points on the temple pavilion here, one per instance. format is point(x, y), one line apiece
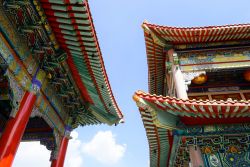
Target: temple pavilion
point(52, 76)
point(197, 111)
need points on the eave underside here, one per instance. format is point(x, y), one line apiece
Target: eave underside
point(156, 65)
point(158, 140)
point(159, 39)
point(164, 136)
point(186, 35)
point(197, 108)
point(74, 30)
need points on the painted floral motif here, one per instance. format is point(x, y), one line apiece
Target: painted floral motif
point(214, 60)
point(214, 161)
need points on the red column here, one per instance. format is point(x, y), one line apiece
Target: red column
point(61, 153)
point(196, 156)
point(14, 130)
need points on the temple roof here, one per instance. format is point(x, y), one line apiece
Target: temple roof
point(180, 35)
point(197, 108)
point(163, 115)
point(72, 24)
point(159, 39)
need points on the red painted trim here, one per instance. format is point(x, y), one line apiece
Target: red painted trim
point(170, 100)
point(158, 146)
point(75, 73)
point(101, 60)
point(56, 28)
point(210, 121)
point(92, 74)
point(78, 80)
point(49, 12)
point(47, 6)
point(52, 19)
point(192, 36)
point(148, 52)
point(4, 85)
point(188, 103)
point(170, 142)
point(14, 130)
point(85, 57)
point(155, 70)
point(214, 28)
point(212, 31)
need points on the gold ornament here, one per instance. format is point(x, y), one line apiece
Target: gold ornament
point(136, 98)
point(247, 75)
point(49, 76)
point(233, 149)
point(207, 150)
point(200, 79)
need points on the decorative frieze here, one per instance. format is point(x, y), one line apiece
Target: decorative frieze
point(17, 93)
point(214, 60)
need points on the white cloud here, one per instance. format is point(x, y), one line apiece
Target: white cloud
point(103, 147)
point(32, 154)
point(73, 156)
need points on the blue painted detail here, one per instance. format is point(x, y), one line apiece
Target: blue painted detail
point(17, 70)
point(35, 81)
point(6, 36)
point(204, 157)
point(9, 59)
point(218, 130)
point(176, 132)
point(68, 128)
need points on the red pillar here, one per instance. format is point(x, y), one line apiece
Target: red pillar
point(61, 153)
point(196, 156)
point(14, 130)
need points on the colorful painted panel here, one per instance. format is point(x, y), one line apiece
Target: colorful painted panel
point(229, 150)
point(14, 67)
point(214, 60)
point(238, 159)
point(212, 44)
point(50, 114)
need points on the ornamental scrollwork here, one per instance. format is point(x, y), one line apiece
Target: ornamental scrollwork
point(16, 93)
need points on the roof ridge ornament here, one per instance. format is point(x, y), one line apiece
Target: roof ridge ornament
point(157, 39)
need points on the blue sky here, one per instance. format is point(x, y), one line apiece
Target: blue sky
point(118, 27)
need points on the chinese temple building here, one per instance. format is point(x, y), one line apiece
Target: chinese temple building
point(197, 111)
point(52, 76)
